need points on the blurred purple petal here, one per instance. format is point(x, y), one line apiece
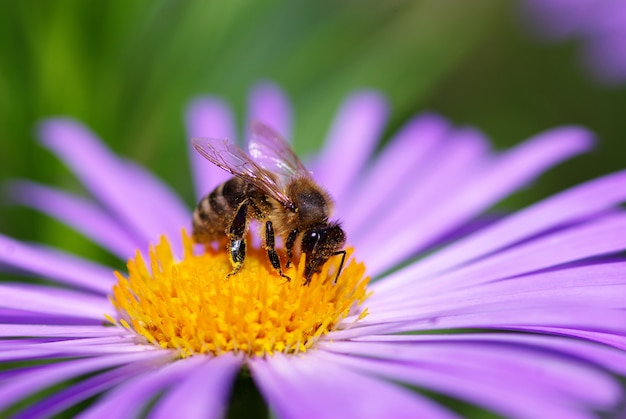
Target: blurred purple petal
point(56, 265)
point(130, 398)
point(404, 157)
point(599, 24)
point(556, 19)
point(574, 204)
point(521, 392)
point(82, 215)
point(89, 159)
point(311, 388)
point(269, 104)
point(476, 193)
point(80, 391)
point(54, 301)
point(208, 117)
point(40, 377)
point(600, 355)
point(351, 141)
point(42, 330)
point(202, 393)
point(464, 153)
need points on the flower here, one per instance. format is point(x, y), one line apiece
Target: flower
point(599, 24)
point(532, 303)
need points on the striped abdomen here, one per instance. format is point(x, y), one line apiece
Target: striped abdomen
point(214, 213)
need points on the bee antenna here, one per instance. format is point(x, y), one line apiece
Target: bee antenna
point(343, 259)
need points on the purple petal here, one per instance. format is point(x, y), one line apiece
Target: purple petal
point(208, 117)
point(604, 235)
point(557, 19)
point(407, 154)
point(112, 181)
point(464, 153)
point(56, 265)
point(351, 141)
point(78, 213)
point(574, 204)
point(38, 378)
point(560, 376)
point(269, 104)
point(131, 397)
point(604, 58)
point(54, 301)
point(600, 355)
point(308, 387)
point(35, 349)
point(80, 391)
point(152, 195)
point(475, 194)
point(513, 395)
point(602, 285)
point(38, 330)
point(203, 393)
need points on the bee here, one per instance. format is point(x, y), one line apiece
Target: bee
point(272, 186)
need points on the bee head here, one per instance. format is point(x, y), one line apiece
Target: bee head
point(319, 244)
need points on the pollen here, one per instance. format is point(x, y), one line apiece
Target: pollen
point(192, 306)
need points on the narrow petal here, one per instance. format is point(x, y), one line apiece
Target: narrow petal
point(405, 156)
point(54, 301)
point(269, 104)
point(576, 203)
point(351, 141)
point(600, 355)
point(208, 117)
point(130, 398)
point(82, 390)
point(605, 235)
point(79, 213)
point(152, 195)
point(90, 160)
point(602, 284)
point(38, 378)
point(510, 398)
point(203, 393)
point(478, 192)
point(43, 330)
point(56, 265)
point(465, 152)
point(295, 386)
point(500, 361)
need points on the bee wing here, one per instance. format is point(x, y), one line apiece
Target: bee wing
point(271, 152)
point(228, 156)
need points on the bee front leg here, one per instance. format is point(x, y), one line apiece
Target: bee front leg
point(271, 250)
point(289, 243)
point(237, 241)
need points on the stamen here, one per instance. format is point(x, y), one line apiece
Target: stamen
point(191, 306)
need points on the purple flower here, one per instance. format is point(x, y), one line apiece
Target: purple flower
point(532, 303)
point(599, 24)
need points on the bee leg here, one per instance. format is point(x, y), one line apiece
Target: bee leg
point(271, 250)
point(237, 242)
point(291, 240)
point(343, 259)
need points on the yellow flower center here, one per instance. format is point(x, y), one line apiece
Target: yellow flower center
point(191, 305)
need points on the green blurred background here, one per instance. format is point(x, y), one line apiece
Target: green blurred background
point(127, 69)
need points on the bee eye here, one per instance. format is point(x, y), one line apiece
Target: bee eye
point(310, 240)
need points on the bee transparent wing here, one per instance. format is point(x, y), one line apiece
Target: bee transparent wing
point(271, 152)
point(228, 156)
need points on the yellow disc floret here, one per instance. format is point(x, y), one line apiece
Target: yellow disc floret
point(191, 305)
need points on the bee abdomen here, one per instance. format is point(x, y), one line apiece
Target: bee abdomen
point(213, 213)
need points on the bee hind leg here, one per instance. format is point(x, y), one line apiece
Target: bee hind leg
point(271, 250)
point(237, 242)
